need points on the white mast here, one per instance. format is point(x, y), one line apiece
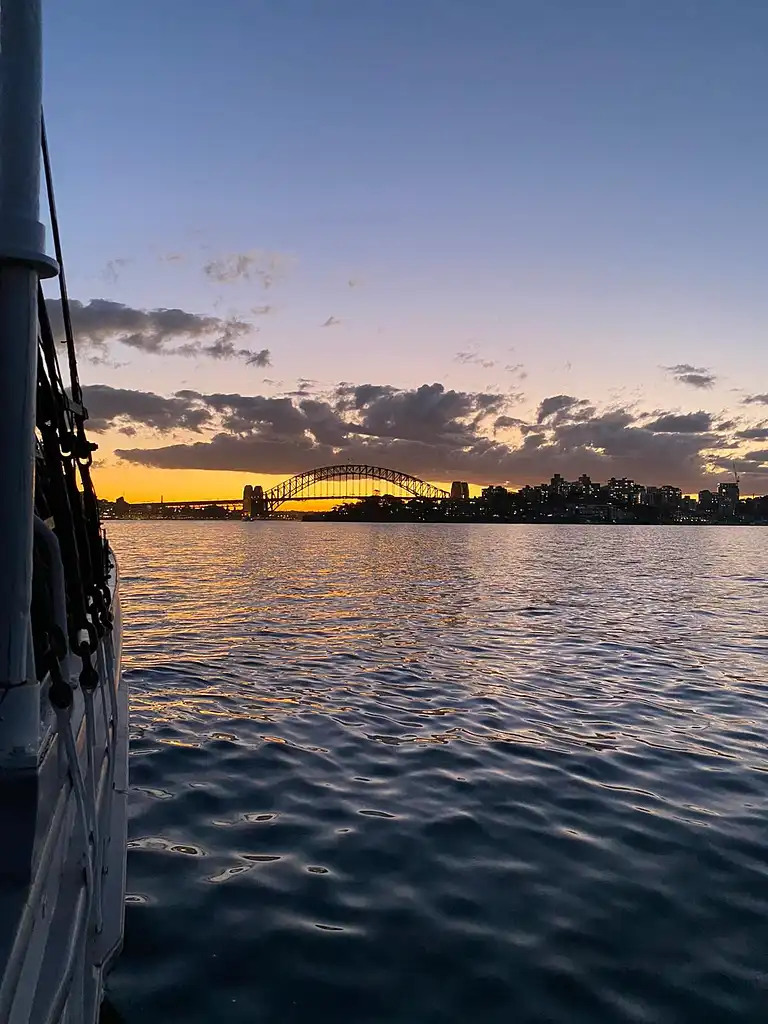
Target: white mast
point(22, 262)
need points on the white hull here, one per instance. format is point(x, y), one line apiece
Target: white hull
point(59, 934)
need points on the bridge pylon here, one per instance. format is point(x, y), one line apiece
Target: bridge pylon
point(255, 505)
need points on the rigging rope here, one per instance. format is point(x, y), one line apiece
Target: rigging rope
point(65, 494)
point(75, 451)
point(77, 393)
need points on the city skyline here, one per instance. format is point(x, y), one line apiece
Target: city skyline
point(489, 242)
point(624, 489)
point(366, 493)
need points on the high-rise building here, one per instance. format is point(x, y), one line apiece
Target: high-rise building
point(586, 488)
point(671, 496)
point(728, 496)
point(652, 496)
point(706, 500)
point(625, 491)
point(558, 486)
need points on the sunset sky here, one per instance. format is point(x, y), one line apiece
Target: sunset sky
point(469, 239)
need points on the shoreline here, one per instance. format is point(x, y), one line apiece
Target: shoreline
point(310, 518)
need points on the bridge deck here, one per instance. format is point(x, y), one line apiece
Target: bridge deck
point(238, 502)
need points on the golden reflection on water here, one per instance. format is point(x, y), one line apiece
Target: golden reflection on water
point(380, 761)
point(602, 615)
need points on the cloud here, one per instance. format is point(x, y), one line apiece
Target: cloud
point(114, 268)
point(172, 332)
point(332, 321)
point(694, 376)
point(305, 388)
point(324, 423)
point(256, 264)
point(751, 464)
point(751, 471)
point(474, 358)
point(430, 413)
point(557, 406)
point(261, 310)
point(357, 396)
point(110, 407)
point(260, 358)
point(756, 400)
point(507, 422)
point(437, 434)
point(753, 434)
point(681, 423)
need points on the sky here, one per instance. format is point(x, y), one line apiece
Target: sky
point(486, 240)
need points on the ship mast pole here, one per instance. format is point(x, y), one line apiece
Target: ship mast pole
point(22, 263)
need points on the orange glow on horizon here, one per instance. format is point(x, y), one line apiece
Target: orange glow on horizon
point(142, 483)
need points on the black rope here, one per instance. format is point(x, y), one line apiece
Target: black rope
point(77, 392)
point(65, 425)
point(78, 505)
point(63, 454)
point(57, 498)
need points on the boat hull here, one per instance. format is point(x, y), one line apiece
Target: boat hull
point(61, 926)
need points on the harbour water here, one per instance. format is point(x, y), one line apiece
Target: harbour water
point(422, 773)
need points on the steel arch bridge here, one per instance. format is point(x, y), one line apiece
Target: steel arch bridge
point(342, 482)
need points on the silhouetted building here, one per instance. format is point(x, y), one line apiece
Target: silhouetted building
point(585, 489)
point(497, 502)
point(662, 497)
point(707, 501)
point(624, 491)
point(671, 496)
point(460, 490)
point(728, 497)
point(558, 486)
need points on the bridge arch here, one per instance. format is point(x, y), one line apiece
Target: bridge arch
point(346, 475)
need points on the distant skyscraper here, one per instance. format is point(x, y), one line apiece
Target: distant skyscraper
point(558, 485)
point(624, 490)
point(671, 496)
point(706, 500)
point(728, 496)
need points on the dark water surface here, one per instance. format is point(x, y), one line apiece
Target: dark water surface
point(445, 773)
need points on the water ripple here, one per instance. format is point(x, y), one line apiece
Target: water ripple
point(445, 773)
